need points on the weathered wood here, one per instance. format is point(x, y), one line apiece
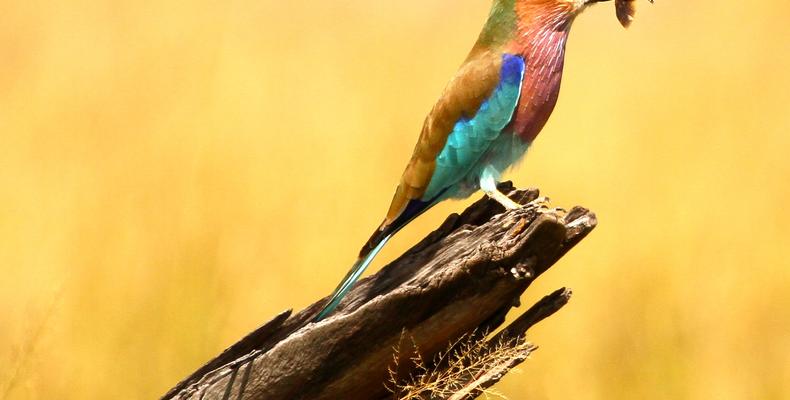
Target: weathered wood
point(460, 279)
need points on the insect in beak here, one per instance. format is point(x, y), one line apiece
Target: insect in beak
point(625, 11)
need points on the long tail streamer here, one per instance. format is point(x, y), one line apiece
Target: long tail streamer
point(353, 274)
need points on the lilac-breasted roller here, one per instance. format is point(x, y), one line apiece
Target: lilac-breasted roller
point(487, 116)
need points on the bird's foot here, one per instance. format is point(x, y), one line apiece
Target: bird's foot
point(543, 206)
point(541, 203)
point(502, 199)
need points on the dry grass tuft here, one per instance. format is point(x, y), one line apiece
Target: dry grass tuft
point(466, 370)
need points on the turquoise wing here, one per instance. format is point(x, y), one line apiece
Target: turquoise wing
point(472, 137)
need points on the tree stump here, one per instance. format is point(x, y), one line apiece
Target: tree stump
point(422, 327)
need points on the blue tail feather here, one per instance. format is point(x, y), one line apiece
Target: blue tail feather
point(372, 248)
point(353, 274)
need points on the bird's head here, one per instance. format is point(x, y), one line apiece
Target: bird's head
point(520, 21)
point(625, 9)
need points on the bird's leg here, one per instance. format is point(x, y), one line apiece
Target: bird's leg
point(488, 181)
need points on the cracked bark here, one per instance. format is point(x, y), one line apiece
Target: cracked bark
point(462, 278)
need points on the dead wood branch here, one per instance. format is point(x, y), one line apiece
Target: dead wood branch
point(460, 280)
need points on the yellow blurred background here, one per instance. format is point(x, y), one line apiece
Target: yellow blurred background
point(174, 173)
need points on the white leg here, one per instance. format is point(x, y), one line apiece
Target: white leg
point(488, 181)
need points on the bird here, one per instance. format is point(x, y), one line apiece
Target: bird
point(486, 118)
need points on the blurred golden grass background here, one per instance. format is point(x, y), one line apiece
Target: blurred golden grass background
point(174, 173)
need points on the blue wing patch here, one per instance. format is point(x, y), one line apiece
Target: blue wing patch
point(471, 138)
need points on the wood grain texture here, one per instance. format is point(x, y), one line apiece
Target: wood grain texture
point(462, 278)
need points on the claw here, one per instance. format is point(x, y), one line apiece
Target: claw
point(543, 206)
point(541, 202)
